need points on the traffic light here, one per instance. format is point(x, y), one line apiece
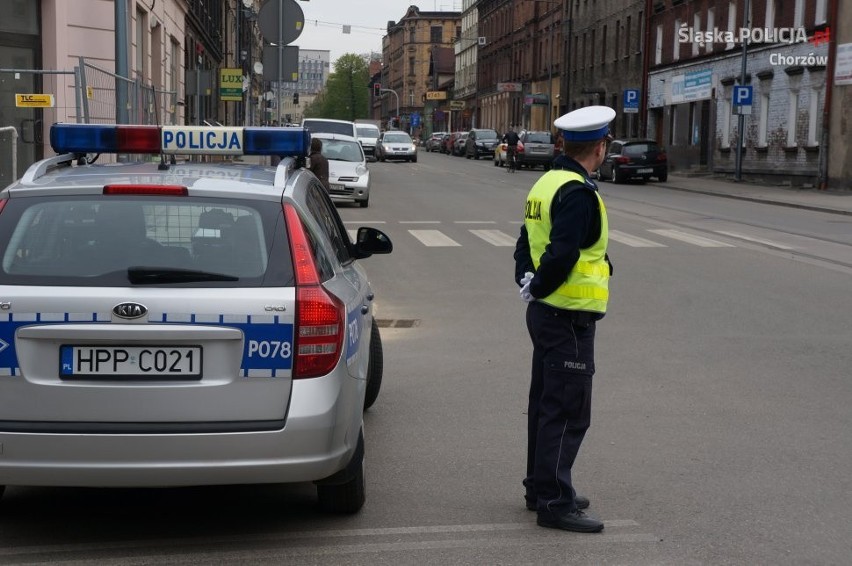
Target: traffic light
point(296, 98)
point(377, 89)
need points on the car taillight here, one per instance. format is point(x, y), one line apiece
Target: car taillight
point(319, 315)
point(159, 190)
point(661, 157)
point(520, 148)
point(3, 202)
point(621, 159)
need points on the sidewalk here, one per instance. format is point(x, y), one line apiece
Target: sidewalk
point(834, 201)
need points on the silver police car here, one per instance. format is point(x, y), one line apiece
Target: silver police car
point(183, 323)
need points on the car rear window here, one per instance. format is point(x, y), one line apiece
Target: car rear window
point(342, 150)
point(368, 132)
point(95, 240)
point(634, 149)
point(538, 137)
point(326, 127)
point(486, 134)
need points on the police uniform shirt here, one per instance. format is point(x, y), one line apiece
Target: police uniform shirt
point(576, 224)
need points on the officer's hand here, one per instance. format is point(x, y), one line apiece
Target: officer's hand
point(527, 278)
point(526, 296)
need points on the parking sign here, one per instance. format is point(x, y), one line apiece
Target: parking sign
point(631, 101)
point(743, 98)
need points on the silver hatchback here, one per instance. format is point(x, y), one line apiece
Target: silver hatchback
point(183, 324)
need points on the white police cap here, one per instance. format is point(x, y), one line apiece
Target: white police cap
point(585, 124)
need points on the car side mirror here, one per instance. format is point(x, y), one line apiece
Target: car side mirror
point(369, 241)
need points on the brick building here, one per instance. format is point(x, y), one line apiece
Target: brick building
point(406, 53)
point(605, 56)
point(691, 83)
point(466, 46)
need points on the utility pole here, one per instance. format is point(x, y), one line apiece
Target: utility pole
point(738, 173)
point(122, 66)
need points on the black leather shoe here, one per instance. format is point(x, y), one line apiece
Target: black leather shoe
point(577, 522)
point(580, 501)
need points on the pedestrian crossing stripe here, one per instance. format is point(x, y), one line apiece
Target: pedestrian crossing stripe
point(434, 238)
point(495, 237)
point(633, 241)
point(692, 239)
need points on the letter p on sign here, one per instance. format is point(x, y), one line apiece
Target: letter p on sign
point(743, 95)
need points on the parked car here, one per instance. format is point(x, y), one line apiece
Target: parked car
point(205, 323)
point(632, 159)
point(459, 142)
point(396, 144)
point(368, 136)
point(535, 148)
point(348, 175)
point(448, 141)
point(480, 142)
point(434, 141)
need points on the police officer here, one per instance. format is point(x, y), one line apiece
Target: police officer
point(563, 269)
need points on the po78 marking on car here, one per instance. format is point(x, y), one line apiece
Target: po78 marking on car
point(270, 349)
point(353, 342)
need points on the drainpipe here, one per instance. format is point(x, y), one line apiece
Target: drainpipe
point(826, 110)
point(646, 67)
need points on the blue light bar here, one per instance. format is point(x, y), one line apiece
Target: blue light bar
point(179, 140)
point(286, 142)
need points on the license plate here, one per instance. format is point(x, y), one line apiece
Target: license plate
point(335, 187)
point(641, 171)
point(169, 362)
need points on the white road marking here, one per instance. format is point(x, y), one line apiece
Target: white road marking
point(364, 222)
point(474, 222)
point(495, 237)
point(633, 241)
point(433, 238)
point(419, 221)
point(692, 239)
point(753, 239)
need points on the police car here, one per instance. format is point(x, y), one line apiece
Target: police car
point(183, 323)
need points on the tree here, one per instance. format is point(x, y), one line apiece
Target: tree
point(346, 95)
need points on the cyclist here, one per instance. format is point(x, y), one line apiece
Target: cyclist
point(511, 140)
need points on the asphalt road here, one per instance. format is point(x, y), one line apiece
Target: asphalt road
point(720, 427)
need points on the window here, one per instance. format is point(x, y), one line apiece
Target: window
point(141, 31)
point(799, 14)
point(769, 21)
point(411, 65)
point(732, 22)
point(617, 49)
point(725, 109)
point(763, 121)
point(174, 57)
point(658, 49)
point(640, 31)
point(696, 24)
point(792, 114)
point(323, 211)
point(676, 41)
point(711, 21)
point(813, 118)
point(435, 34)
point(412, 35)
point(820, 12)
point(603, 49)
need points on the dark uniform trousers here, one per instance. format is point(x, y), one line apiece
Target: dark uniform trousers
point(560, 403)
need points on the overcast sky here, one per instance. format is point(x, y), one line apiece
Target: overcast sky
point(324, 21)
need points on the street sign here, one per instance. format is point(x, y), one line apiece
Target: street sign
point(457, 104)
point(743, 98)
point(510, 87)
point(231, 84)
point(436, 95)
point(34, 101)
point(631, 101)
point(281, 21)
point(289, 63)
point(415, 119)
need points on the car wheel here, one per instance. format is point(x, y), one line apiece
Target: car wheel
point(414, 159)
point(375, 369)
point(382, 159)
point(348, 496)
point(663, 177)
point(614, 177)
point(364, 203)
point(476, 156)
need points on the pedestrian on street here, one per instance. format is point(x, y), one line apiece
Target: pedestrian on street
point(319, 163)
point(562, 266)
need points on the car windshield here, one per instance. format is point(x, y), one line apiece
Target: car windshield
point(639, 148)
point(368, 132)
point(486, 134)
point(342, 150)
point(397, 137)
point(538, 137)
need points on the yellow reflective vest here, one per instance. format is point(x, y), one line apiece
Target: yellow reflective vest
point(587, 285)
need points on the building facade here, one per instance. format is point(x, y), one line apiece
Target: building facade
point(406, 53)
point(466, 45)
point(836, 172)
point(691, 109)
